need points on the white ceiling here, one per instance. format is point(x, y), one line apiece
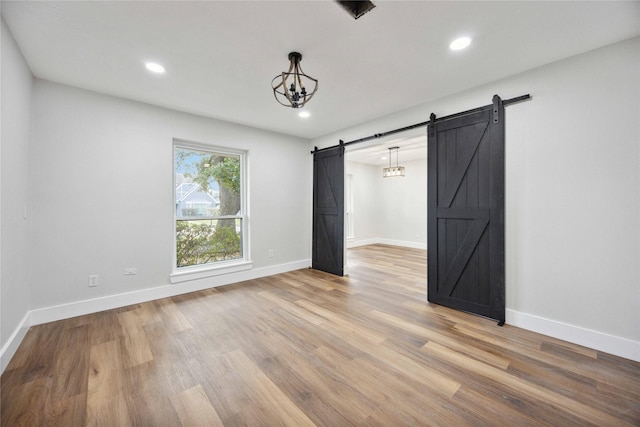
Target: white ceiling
point(221, 56)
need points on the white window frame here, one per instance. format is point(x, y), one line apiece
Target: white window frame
point(183, 274)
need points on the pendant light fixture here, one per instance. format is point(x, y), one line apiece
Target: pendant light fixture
point(292, 87)
point(392, 171)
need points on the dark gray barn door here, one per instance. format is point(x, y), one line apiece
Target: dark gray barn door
point(328, 211)
point(466, 212)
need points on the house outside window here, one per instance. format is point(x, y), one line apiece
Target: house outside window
point(210, 207)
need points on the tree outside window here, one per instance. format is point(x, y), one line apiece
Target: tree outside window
point(209, 208)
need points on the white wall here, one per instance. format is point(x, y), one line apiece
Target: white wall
point(103, 196)
point(366, 203)
point(404, 209)
point(16, 90)
point(573, 194)
point(390, 210)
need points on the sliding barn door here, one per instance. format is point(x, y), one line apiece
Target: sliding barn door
point(328, 211)
point(466, 212)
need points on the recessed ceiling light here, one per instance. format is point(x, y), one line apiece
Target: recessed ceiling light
point(383, 158)
point(304, 114)
point(154, 67)
point(460, 43)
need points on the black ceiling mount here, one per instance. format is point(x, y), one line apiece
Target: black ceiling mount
point(356, 8)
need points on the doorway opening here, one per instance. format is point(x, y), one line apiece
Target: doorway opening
point(388, 211)
point(465, 214)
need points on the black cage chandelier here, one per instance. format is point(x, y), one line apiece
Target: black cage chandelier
point(291, 87)
point(392, 171)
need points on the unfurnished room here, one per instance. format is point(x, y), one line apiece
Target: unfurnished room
point(320, 213)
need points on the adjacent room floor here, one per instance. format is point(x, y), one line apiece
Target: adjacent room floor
point(308, 348)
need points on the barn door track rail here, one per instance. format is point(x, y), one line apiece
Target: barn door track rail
point(496, 99)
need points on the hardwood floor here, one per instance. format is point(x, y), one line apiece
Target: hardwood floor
point(306, 348)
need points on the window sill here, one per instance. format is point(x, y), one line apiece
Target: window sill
point(203, 272)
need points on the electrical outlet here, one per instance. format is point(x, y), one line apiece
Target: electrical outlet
point(93, 280)
point(270, 253)
point(130, 271)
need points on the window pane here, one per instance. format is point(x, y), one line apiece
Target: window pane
point(208, 186)
point(206, 241)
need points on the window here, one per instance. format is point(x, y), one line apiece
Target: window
point(210, 217)
point(349, 207)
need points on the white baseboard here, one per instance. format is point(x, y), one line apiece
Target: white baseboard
point(617, 346)
point(79, 308)
point(12, 344)
point(377, 240)
point(364, 242)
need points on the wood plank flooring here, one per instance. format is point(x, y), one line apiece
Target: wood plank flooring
point(306, 348)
